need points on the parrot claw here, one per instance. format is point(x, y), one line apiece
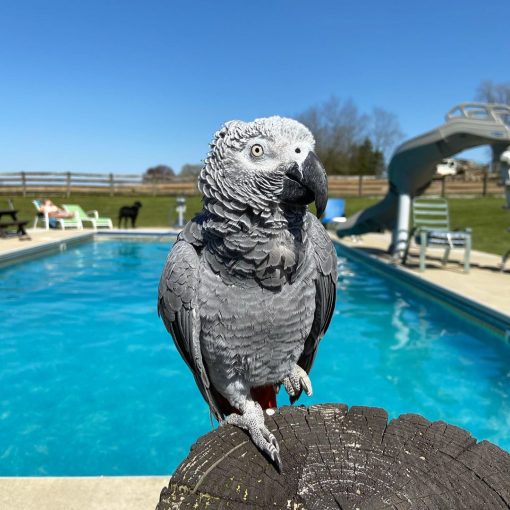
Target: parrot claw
point(272, 440)
point(252, 420)
point(275, 457)
point(298, 380)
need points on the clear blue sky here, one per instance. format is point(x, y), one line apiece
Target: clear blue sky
point(118, 86)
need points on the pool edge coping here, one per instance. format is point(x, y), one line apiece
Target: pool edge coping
point(133, 233)
point(15, 256)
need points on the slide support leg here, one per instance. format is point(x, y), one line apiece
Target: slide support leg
point(402, 229)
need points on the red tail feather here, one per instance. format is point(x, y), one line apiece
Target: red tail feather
point(265, 396)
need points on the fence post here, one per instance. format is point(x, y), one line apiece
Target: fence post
point(485, 182)
point(443, 186)
point(360, 185)
point(112, 185)
point(154, 187)
point(24, 184)
point(68, 184)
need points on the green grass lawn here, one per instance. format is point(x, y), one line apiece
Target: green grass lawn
point(484, 215)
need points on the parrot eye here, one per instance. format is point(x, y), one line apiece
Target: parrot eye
point(298, 150)
point(257, 150)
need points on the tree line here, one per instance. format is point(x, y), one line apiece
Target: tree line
point(350, 142)
point(167, 173)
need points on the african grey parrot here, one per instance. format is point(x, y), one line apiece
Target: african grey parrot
point(249, 287)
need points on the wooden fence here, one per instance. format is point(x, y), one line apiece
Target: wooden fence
point(366, 185)
point(67, 183)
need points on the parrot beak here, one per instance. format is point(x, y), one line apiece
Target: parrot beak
point(305, 184)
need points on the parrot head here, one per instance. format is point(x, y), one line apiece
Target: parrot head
point(264, 164)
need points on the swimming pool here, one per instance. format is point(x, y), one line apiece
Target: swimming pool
point(91, 384)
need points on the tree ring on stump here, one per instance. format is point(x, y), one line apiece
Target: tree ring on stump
point(334, 457)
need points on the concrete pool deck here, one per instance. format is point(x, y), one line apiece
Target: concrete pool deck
point(78, 493)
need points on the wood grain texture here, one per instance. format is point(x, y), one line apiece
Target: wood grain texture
point(335, 457)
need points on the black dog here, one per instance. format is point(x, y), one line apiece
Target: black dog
point(129, 211)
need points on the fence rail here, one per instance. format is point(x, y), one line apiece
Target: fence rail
point(67, 183)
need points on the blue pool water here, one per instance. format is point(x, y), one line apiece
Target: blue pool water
point(91, 384)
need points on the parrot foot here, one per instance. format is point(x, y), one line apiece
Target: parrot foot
point(252, 420)
point(298, 380)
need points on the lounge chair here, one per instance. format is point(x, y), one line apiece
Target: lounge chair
point(431, 227)
point(89, 216)
point(334, 212)
point(49, 221)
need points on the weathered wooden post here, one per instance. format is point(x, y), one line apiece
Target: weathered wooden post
point(443, 186)
point(112, 185)
point(23, 184)
point(334, 457)
point(68, 184)
point(485, 182)
point(360, 185)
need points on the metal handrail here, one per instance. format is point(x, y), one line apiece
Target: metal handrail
point(494, 112)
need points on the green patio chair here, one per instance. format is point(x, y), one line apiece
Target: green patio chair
point(431, 227)
point(48, 221)
point(89, 216)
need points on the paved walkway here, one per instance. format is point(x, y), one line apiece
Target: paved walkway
point(484, 283)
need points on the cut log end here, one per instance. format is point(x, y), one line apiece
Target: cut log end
point(335, 457)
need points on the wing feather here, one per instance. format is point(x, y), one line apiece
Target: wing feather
point(325, 292)
point(176, 301)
